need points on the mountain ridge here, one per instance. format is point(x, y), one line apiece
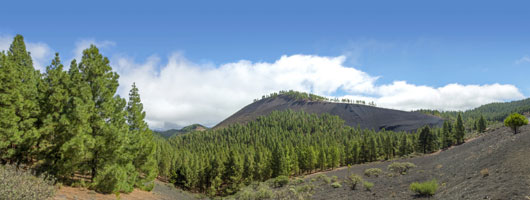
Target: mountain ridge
point(364, 116)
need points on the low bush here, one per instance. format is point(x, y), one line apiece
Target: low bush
point(20, 184)
point(305, 188)
point(336, 185)
point(334, 178)
point(427, 188)
point(324, 178)
point(373, 172)
point(354, 180)
point(280, 181)
point(246, 194)
point(264, 192)
point(298, 181)
point(400, 168)
point(368, 185)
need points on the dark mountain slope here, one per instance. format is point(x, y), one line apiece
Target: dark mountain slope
point(353, 114)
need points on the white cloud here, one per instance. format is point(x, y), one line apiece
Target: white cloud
point(524, 59)
point(181, 92)
point(41, 53)
point(405, 96)
point(85, 44)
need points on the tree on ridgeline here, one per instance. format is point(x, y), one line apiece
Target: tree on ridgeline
point(514, 121)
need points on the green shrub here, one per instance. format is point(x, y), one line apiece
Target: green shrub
point(245, 194)
point(368, 186)
point(298, 181)
point(264, 192)
point(334, 178)
point(427, 188)
point(373, 172)
point(280, 181)
point(324, 178)
point(115, 178)
point(305, 188)
point(400, 168)
point(354, 179)
point(20, 184)
point(336, 185)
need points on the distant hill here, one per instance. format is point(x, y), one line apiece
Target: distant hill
point(492, 111)
point(172, 132)
point(369, 117)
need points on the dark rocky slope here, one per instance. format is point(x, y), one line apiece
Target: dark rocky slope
point(369, 117)
point(493, 166)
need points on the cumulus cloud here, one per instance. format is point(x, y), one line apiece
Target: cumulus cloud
point(41, 53)
point(83, 44)
point(404, 96)
point(524, 59)
point(182, 92)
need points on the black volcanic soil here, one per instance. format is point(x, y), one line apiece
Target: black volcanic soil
point(367, 117)
point(458, 170)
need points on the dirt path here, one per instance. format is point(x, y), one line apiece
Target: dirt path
point(162, 191)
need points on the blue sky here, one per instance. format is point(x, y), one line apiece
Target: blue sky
point(420, 42)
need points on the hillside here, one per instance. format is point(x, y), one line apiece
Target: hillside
point(367, 117)
point(173, 132)
point(493, 111)
point(492, 166)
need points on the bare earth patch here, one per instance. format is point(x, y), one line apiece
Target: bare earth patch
point(162, 191)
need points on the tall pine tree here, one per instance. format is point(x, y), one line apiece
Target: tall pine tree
point(459, 130)
point(141, 145)
point(22, 98)
point(54, 119)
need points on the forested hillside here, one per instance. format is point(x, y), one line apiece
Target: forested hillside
point(174, 132)
point(71, 124)
point(492, 111)
point(220, 161)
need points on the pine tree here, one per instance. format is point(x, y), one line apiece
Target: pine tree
point(425, 139)
point(447, 133)
point(481, 124)
point(459, 130)
point(403, 146)
point(373, 149)
point(279, 162)
point(54, 119)
point(10, 96)
point(109, 159)
point(233, 173)
point(26, 105)
point(215, 173)
point(141, 145)
point(248, 168)
point(75, 152)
